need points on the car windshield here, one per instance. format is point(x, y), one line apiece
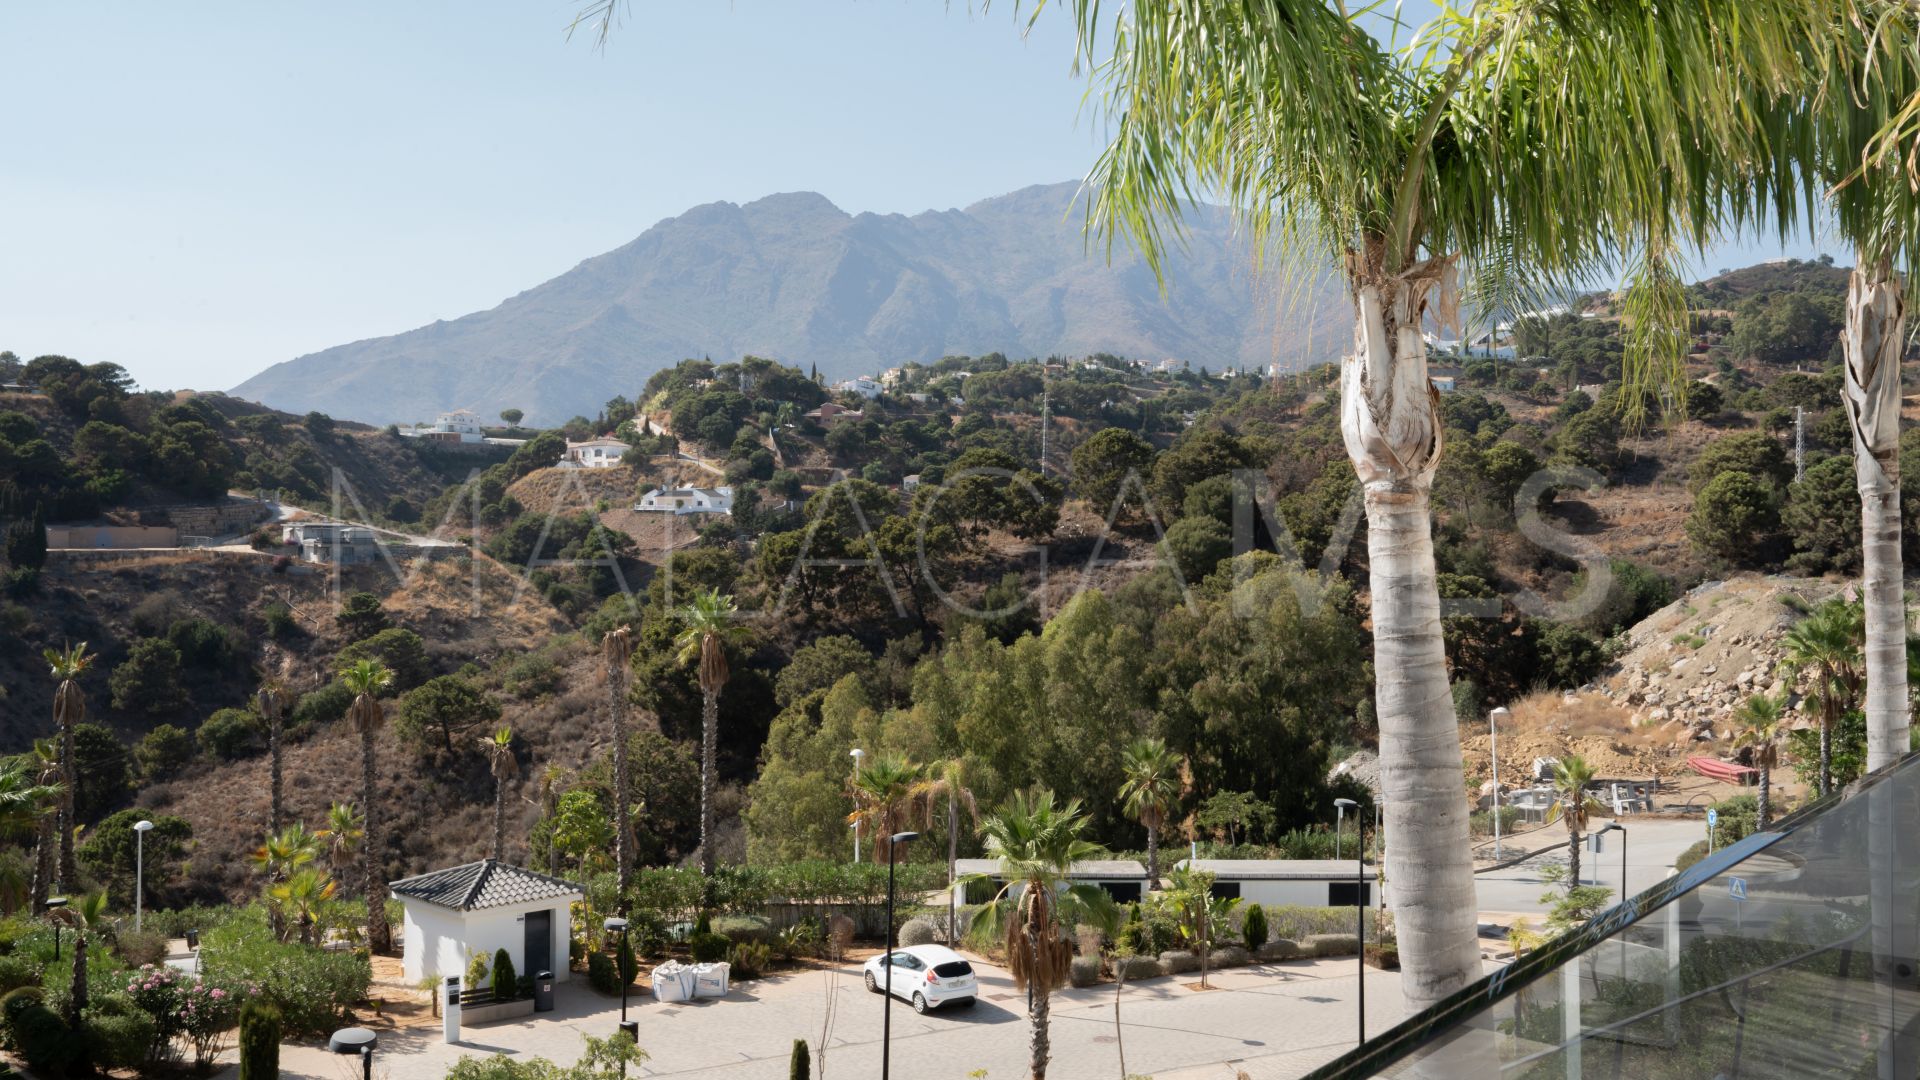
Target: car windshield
point(952, 968)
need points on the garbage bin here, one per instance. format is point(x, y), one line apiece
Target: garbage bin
point(543, 991)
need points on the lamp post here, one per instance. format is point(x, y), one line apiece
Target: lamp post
point(1340, 822)
point(140, 830)
point(1622, 830)
point(1359, 900)
point(1493, 751)
point(356, 1040)
point(54, 902)
point(856, 754)
point(894, 843)
point(617, 925)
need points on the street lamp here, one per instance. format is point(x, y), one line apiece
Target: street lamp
point(856, 754)
point(54, 902)
point(140, 830)
point(1340, 822)
point(886, 1017)
point(1359, 898)
point(356, 1040)
point(1622, 830)
point(617, 925)
point(1493, 751)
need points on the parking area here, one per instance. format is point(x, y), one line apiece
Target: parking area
point(1270, 1020)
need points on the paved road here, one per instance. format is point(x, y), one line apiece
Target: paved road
point(1652, 846)
point(1273, 1021)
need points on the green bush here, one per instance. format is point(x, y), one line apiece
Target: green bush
point(118, 1034)
point(141, 947)
point(45, 1040)
point(738, 928)
point(708, 948)
point(12, 1003)
point(1136, 967)
point(229, 733)
point(1690, 856)
point(601, 974)
point(259, 1041)
point(506, 983)
point(919, 930)
point(748, 960)
point(1735, 819)
point(1300, 923)
point(1253, 928)
point(176, 922)
point(624, 964)
point(16, 972)
point(1332, 944)
point(312, 988)
point(1085, 971)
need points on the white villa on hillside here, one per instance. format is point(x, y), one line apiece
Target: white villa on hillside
point(593, 454)
point(863, 385)
point(456, 426)
point(688, 500)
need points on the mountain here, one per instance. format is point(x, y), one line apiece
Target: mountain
point(795, 278)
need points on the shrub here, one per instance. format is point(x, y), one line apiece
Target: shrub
point(624, 965)
point(280, 621)
point(479, 966)
point(1279, 949)
point(748, 960)
point(1253, 928)
point(799, 1066)
point(1178, 962)
point(163, 750)
point(738, 928)
point(259, 1042)
point(1085, 971)
point(1331, 945)
point(45, 1040)
point(312, 988)
point(1136, 967)
point(141, 947)
point(228, 733)
point(1299, 923)
point(175, 922)
point(601, 974)
point(708, 948)
point(16, 972)
point(322, 706)
point(118, 1034)
point(12, 1003)
point(1232, 956)
point(1734, 819)
point(505, 982)
point(1690, 856)
point(917, 931)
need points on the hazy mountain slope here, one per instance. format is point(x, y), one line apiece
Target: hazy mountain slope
point(795, 278)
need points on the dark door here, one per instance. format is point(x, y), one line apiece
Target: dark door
point(539, 946)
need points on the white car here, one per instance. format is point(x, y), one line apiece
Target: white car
point(927, 975)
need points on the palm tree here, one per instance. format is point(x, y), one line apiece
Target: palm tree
point(949, 778)
point(86, 914)
point(49, 774)
point(1573, 805)
point(1762, 721)
point(345, 829)
point(69, 709)
point(884, 795)
point(1503, 140)
point(1150, 785)
point(272, 700)
point(1200, 911)
point(297, 900)
point(1037, 843)
point(367, 678)
point(25, 803)
point(709, 626)
point(553, 779)
point(1825, 646)
point(616, 651)
point(499, 750)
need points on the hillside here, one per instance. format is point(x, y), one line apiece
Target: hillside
point(795, 278)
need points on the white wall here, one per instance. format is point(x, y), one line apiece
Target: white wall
point(1266, 891)
point(438, 941)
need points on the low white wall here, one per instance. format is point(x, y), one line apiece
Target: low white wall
point(1300, 893)
point(438, 940)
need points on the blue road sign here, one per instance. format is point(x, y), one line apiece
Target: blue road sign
point(1737, 888)
point(1713, 817)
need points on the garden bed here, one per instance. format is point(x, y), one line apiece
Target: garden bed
point(496, 1012)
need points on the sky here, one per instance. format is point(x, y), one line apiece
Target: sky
point(197, 191)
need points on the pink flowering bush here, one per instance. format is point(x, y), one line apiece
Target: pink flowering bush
point(188, 1013)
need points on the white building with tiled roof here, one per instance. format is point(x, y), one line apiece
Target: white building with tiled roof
point(483, 907)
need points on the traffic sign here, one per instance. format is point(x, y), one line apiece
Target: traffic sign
point(1713, 817)
point(1737, 888)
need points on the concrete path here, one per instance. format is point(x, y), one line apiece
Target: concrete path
point(1276, 1020)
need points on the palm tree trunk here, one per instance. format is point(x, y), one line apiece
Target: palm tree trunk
point(379, 940)
point(77, 997)
point(1153, 858)
point(1874, 338)
point(1826, 751)
point(709, 748)
point(1390, 423)
point(1119, 1044)
point(69, 873)
point(43, 855)
point(1765, 800)
point(499, 818)
point(953, 858)
point(275, 812)
point(622, 840)
point(1573, 855)
point(1039, 1038)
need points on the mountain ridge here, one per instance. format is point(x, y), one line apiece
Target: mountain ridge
point(793, 277)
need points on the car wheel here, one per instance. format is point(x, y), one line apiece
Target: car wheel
point(873, 984)
point(920, 1003)
point(967, 1003)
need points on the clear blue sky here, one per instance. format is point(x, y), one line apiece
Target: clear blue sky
point(197, 191)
